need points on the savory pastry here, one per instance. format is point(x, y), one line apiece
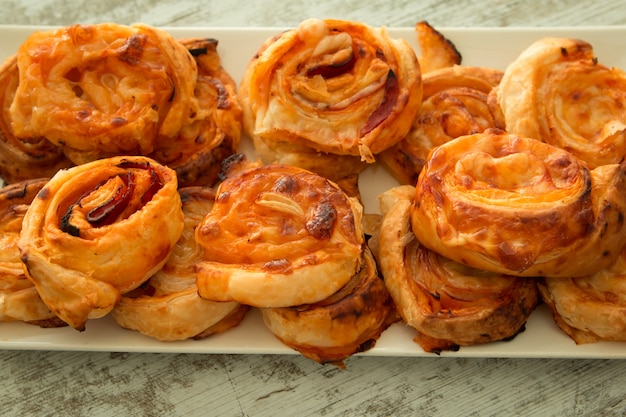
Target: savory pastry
point(167, 307)
point(19, 300)
point(436, 50)
point(99, 230)
point(558, 92)
point(278, 236)
point(449, 304)
point(329, 95)
point(29, 157)
point(457, 101)
point(347, 322)
point(196, 152)
point(518, 206)
point(592, 308)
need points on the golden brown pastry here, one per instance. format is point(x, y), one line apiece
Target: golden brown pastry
point(347, 322)
point(19, 300)
point(99, 230)
point(448, 303)
point(213, 134)
point(329, 95)
point(558, 92)
point(518, 206)
point(103, 90)
point(436, 50)
point(167, 307)
point(456, 102)
point(278, 236)
point(29, 157)
point(592, 308)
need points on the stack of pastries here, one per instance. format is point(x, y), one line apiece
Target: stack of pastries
point(127, 194)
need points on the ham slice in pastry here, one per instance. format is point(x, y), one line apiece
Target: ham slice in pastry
point(518, 206)
point(98, 230)
point(329, 95)
point(558, 92)
point(448, 303)
point(19, 300)
point(167, 307)
point(278, 236)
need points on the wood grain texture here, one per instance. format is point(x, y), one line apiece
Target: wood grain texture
point(112, 384)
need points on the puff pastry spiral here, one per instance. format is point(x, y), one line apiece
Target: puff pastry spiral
point(558, 92)
point(330, 92)
point(347, 322)
point(518, 206)
point(278, 236)
point(19, 299)
point(457, 101)
point(448, 303)
point(592, 308)
point(167, 307)
point(28, 157)
point(98, 230)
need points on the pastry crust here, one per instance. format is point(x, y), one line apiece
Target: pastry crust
point(592, 308)
point(278, 236)
point(518, 206)
point(196, 152)
point(330, 89)
point(19, 300)
point(436, 51)
point(167, 307)
point(98, 230)
point(449, 304)
point(348, 322)
point(26, 158)
point(103, 90)
point(558, 92)
point(457, 101)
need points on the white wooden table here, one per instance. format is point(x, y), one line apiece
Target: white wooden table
point(143, 384)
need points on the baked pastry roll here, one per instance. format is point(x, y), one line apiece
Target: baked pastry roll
point(196, 152)
point(592, 308)
point(457, 101)
point(103, 90)
point(347, 322)
point(99, 230)
point(448, 303)
point(518, 206)
point(25, 158)
point(278, 236)
point(558, 92)
point(167, 307)
point(329, 95)
point(19, 300)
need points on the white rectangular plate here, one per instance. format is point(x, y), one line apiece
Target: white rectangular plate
point(491, 47)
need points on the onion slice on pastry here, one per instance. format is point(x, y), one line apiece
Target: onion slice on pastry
point(592, 308)
point(518, 206)
point(103, 90)
point(557, 91)
point(448, 303)
point(457, 101)
point(27, 158)
point(196, 152)
point(98, 230)
point(19, 300)
point(278, 236)
point(347, 322)
point(167, 307)
point(330, 90)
